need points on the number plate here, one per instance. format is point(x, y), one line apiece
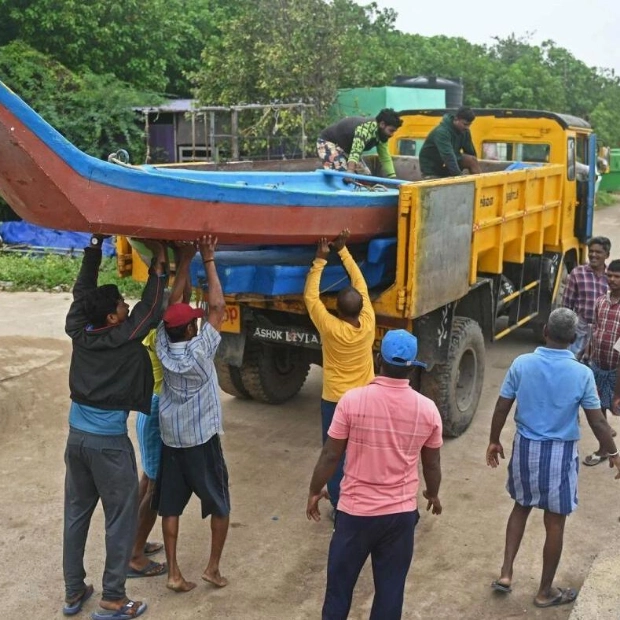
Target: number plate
point(232, 319)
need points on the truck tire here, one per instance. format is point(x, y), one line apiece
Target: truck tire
point(229, 378)
point(456, 385)
point(273, 375)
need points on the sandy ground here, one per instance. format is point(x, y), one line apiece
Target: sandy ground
point(274, 558)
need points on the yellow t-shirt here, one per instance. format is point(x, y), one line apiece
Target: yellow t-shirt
point(347, 350)
point(158, 371)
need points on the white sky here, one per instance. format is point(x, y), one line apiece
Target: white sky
point(589, 29)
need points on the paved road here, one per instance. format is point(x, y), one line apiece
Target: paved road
point(274, 558)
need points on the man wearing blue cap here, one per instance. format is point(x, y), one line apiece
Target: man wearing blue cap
point(386, 427)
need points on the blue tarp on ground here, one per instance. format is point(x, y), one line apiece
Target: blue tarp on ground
point(57, 241)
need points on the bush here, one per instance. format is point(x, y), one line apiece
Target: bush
point(51, 272)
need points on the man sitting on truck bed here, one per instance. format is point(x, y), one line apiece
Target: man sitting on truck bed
point(340, 146)
point(448, 149)
point(346, 339)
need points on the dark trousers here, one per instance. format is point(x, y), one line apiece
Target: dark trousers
point(99, 466)
point(388, 540)
point(333, 484)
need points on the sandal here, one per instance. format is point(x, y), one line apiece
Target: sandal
point(594, 459)
point(130, 610)
point(74, 606)
point(565, 596)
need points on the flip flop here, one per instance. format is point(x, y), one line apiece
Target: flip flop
point(70, 609)
point(130, 610)
point(152, 569)
point(594, 459)
point(565, 596)
point(151, 548)
point(501, 587)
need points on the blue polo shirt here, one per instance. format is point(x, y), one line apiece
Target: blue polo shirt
point(549, 386)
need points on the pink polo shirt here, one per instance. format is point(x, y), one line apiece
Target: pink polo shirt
point(386, 424)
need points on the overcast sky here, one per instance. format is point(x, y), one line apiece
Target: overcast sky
point(589, 29)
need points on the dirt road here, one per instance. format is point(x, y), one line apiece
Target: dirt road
point(274, 558)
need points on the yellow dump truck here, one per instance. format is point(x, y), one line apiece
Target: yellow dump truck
point(476, 257)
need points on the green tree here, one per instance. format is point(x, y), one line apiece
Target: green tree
point(94, 112)
point(148, 43)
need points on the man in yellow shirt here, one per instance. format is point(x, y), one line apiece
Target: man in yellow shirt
point(346, 338)
point(148, 433)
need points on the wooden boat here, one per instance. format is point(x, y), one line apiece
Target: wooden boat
point(50, 182)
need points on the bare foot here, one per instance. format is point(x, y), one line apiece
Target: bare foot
point(215, 578)
point(128, 606)
point(180, 586)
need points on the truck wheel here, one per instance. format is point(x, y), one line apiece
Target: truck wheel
point(456, 385)
point(229, 378)
point(273, 374)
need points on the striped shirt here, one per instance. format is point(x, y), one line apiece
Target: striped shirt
point(386, 424)
point(190, 412)
point(605, 333)
point(583, 288)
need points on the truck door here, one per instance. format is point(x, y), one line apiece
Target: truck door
point(581, 167)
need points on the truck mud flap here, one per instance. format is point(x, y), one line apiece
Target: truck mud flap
point(231, 349)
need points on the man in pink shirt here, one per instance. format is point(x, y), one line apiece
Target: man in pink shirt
point(386, 428)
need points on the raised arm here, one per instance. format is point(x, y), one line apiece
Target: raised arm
point(147, 312)
point(215, 296)
point(182, 287)
point(316, 308)
point(86, 282)
point(351, 267)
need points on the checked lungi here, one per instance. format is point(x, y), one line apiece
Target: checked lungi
point(605, 384)
point(543, 474)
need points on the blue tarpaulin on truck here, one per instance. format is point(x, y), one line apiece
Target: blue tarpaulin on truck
point(35, 237)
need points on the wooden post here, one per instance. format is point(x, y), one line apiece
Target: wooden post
point(234, 129)
point(214, 152)
point(304, 138)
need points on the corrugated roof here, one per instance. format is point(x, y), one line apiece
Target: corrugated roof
point(174, 105)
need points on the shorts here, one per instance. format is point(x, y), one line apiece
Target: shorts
point(334, 158)
point(200, 470)
point(149, 439)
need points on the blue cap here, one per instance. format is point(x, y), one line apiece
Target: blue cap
point(400, 348)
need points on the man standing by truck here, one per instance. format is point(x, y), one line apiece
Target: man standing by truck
point(448, 149)
point(549, 385)
point(387, 428)
point(340, 146)
point(586, 283)
point(346, 338)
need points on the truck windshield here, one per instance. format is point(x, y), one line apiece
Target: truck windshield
point(516, 151)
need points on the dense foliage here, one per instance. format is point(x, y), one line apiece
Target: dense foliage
point(81, 63)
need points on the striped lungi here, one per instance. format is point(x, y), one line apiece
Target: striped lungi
point(544, 474)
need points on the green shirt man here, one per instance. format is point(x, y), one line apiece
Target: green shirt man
point(340, 146)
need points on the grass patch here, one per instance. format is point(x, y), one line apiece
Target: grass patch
point(606, 199)
point(51, 272)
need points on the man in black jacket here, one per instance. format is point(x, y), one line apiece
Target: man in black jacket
point(110, 375)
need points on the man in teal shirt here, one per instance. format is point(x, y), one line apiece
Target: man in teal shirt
point(448, 149)
point(340, 146)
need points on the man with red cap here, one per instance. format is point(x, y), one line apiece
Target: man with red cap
point(386, 428)
point(190, 417)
